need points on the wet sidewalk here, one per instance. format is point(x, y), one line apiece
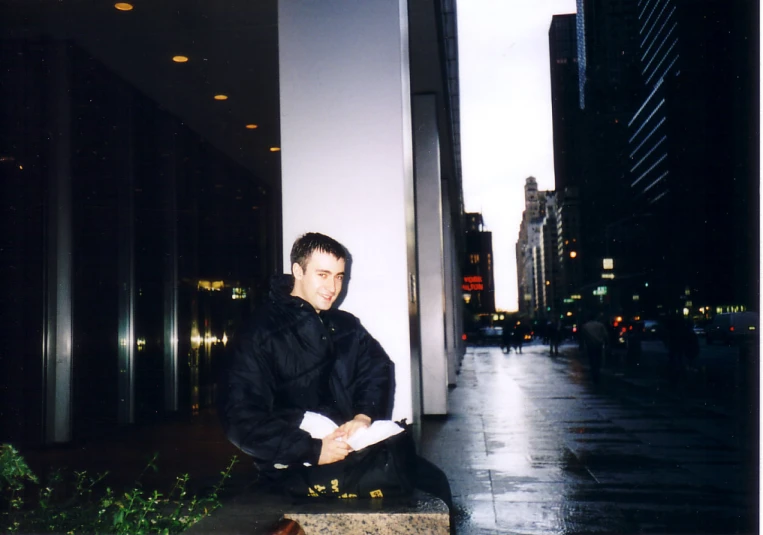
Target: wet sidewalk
point(531, 446)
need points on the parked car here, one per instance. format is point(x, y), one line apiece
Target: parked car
point(729, 327)
point(488, 336)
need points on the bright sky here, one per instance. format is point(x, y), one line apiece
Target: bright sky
point(506, 130)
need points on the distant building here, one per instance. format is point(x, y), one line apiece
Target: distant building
point(536, 253)
point(545, 284)
point(478, 281)
point(550, 284)
point(527, 239)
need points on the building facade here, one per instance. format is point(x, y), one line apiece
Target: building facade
point(536, 253)
point(690, 174)
point(478, 285)
point(551, 288)
point(565, 109)
point(147, 203)
point(659, 201)
point(133, 248)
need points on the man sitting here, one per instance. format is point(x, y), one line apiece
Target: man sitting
point(297, 354)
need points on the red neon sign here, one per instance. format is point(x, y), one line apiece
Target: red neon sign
point(473, 283)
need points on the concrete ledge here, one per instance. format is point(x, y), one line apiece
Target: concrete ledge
point(254, 512)
point(420, 514)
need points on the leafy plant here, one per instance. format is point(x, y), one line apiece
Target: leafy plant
point(86, 508)
point(15, 473)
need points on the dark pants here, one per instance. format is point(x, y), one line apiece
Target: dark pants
point(432, 480)
point(594, 352)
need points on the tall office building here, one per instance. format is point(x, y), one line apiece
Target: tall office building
point(606, 75)
point(569, 145)
point(690, 172)
point(565, 111)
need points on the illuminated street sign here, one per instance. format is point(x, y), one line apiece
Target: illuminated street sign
point(601, 290)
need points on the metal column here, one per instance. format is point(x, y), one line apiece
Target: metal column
point(126, 274)
point(170, 269)
point(57, 351)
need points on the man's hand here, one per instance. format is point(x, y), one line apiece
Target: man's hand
point(359, 422)
point(334, 447)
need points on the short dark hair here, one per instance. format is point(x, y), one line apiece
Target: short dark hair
point(307, 244)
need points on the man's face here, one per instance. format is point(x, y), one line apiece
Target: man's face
point(320, 282)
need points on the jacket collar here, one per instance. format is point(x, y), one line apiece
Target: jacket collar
point(280, 292)
point(281, 287)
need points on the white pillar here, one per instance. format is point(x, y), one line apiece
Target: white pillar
point(452, 331)
point(426, 146)
point(346, 157)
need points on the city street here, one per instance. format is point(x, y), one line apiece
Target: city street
point(531, 446)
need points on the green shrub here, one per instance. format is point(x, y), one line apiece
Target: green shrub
point(81, 504)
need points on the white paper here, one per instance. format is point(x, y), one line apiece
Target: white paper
point(376, 432)
point(319, 426)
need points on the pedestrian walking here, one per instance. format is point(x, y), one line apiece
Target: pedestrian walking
point(518, 337)
point(554, 336)
point(506, 337)
point(595, 339)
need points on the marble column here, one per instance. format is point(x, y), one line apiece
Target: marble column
point(429, 249)
point(346, 158)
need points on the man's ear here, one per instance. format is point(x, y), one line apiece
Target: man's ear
point(296, 270)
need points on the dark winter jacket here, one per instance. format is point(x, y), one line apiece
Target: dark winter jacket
point(289, 359)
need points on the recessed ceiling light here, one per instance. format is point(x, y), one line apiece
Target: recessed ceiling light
point(251, 126)
point(179, 59)
point(275, 149)
point(123, 6)
point(221, 97)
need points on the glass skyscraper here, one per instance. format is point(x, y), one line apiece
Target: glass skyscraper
point(659, 59)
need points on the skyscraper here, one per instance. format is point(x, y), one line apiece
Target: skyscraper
point(689, 159)
point(531, 270)
point(605, 31)
point(565, 110)
point(567, 80)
